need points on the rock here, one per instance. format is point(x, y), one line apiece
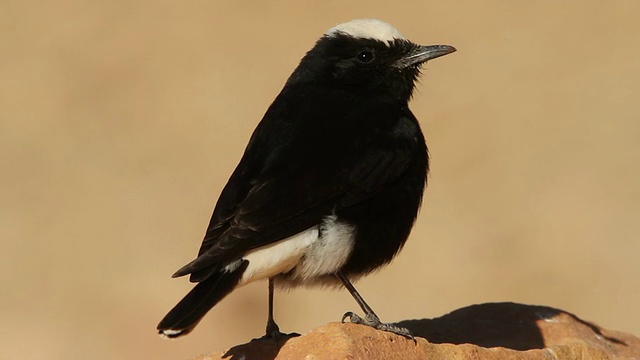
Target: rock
point(487, 331)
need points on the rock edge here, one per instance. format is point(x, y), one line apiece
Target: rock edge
point(487, 331)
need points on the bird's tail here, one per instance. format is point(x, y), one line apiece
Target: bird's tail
point(207, 293)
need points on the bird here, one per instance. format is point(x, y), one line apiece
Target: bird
point(330, 182)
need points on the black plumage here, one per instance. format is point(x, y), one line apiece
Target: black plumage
point(331, 181)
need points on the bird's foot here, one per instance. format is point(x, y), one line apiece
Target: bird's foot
point(273, 332)
point(373, 321)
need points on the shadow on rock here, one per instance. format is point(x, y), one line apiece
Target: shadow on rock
point(509, 325)
point(264, 349)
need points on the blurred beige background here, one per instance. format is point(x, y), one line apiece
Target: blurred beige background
point(121, 122)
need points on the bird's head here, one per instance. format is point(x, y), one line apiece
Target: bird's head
point(366, 57)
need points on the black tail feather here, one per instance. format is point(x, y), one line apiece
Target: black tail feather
point(190, 310)
point(201, 275)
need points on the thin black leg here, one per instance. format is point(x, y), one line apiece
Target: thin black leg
point(273, 330)
point(370, 317)
point(356, 295)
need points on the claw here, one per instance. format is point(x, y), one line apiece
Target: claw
point(373, 321)
point(349, 315)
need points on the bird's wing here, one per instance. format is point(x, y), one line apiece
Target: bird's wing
point(256, 211)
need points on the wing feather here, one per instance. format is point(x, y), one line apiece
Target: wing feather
point(288, 183)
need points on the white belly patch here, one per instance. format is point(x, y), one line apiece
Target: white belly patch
point(317, 251)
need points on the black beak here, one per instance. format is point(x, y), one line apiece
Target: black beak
point(421, 54)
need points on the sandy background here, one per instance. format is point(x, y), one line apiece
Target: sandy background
point(120, 122)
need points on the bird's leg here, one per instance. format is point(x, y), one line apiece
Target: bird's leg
point(370, 317)
point(273, 331)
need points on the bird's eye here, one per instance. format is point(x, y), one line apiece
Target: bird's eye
point(365, 56)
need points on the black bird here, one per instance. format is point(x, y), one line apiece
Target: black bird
point(330, 183)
